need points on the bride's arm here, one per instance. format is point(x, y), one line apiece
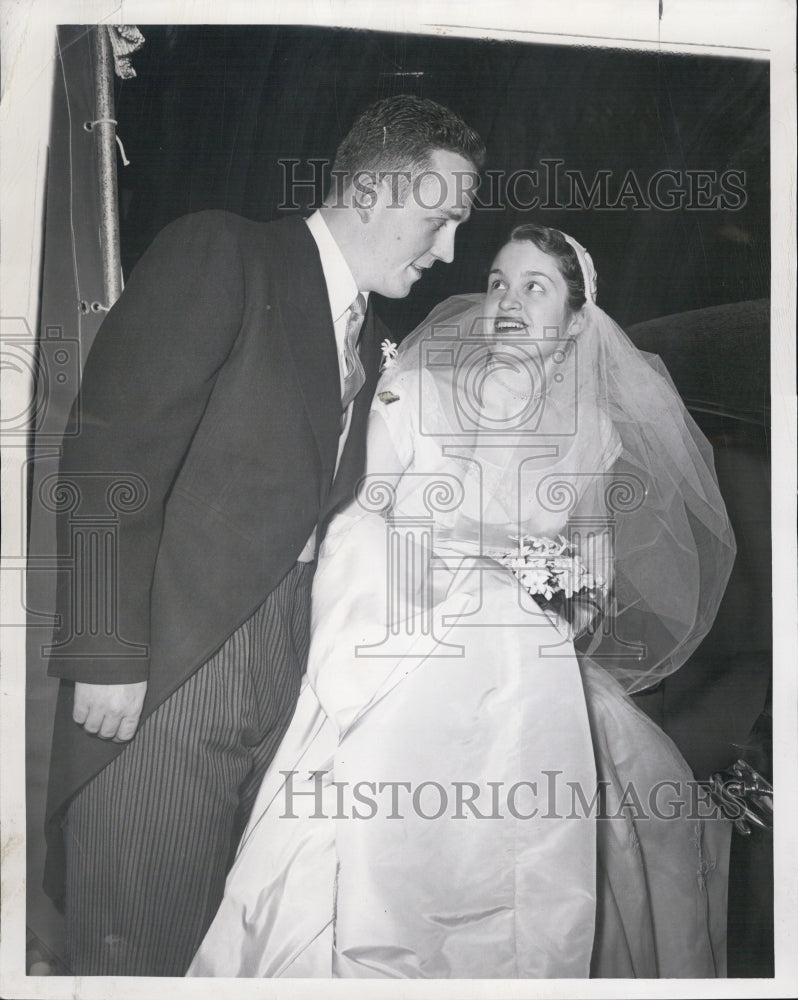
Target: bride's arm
point(596, 546)
point(588, 610)
point(384, 465)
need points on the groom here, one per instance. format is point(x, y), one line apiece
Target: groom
point(226, 397)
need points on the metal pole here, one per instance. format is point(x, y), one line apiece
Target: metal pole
point(105, 136)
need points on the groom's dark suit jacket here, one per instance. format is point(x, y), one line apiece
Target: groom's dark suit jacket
point(213, 391)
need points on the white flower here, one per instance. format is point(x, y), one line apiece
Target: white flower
point(389, 352)
point(535, 581)
point(549, 566)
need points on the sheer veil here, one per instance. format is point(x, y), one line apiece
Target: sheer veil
point(584, 436)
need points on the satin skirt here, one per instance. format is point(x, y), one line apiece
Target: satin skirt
point(456, 797)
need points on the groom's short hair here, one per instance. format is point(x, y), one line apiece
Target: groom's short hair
point(400, 133)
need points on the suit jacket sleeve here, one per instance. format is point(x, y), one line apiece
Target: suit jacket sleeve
point(146, 384)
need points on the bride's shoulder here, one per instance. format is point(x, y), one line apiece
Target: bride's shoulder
point(397, 382)
point(419, 369)
point(607, 441)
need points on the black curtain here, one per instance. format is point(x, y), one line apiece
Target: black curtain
point(214, 109)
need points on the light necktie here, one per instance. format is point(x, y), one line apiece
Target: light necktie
point(354, 373)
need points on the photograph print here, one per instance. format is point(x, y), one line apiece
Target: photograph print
point(396, 492)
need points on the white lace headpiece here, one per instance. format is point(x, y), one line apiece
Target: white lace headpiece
point(585, 263)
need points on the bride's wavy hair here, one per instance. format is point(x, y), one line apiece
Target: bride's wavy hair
point(553, 243)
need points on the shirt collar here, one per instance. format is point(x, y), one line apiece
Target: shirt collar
point(341, 285)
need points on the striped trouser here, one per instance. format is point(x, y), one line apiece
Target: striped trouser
point(150, 838)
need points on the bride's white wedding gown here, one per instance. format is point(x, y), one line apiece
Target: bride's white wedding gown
point(431, 810)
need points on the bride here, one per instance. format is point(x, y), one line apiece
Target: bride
point(466, 789)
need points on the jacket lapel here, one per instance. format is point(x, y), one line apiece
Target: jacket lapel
point(352, 463)
point(306, 323)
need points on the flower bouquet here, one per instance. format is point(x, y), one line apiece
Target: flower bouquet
point(552, 573)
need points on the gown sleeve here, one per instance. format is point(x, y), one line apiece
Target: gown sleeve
point(391, 424)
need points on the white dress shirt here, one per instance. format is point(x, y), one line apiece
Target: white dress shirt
point(341, 293)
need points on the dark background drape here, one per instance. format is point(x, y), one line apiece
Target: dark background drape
point(214, 109)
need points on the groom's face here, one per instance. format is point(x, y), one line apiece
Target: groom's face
point(412, 223)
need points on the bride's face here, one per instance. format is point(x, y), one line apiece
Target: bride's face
point(527, 297)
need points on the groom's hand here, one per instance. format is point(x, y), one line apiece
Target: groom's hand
point(110, 711)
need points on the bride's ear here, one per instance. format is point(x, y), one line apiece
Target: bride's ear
point(577, 323)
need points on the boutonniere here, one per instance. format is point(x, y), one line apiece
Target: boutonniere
point(389, 352)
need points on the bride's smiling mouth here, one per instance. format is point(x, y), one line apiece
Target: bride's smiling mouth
point(503, 324)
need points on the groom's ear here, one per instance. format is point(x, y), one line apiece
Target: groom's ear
point(365, 193)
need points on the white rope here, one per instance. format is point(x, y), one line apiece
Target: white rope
point(109, 121)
